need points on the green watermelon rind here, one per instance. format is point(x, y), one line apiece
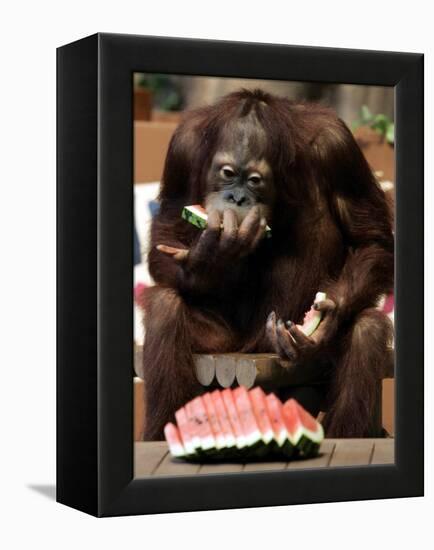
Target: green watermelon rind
point(305, 446)
point(308, 442)
point(193, 218)
point(308, 448)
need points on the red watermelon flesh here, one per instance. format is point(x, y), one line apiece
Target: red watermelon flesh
point(257, 399)
point(223, 418)
point(249, 424)
point(300, 423)
point(173, 439)
point(203, 427)
point(214, 421)
point(228, 400)
point(274, 409)
point(185, 431)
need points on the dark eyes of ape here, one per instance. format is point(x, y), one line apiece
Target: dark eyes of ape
point(227, 172)
point(255, 180)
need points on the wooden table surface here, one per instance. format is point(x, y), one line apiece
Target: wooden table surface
point(154, 459)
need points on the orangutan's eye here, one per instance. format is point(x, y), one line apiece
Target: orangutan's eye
point(254, 179)
point(227, 172)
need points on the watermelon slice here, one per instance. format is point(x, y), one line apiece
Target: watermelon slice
point(196, 215)
point(203, 427)
point(194, 430)
point(219, 436)
point(228, 400)
point(223, 418)
point(303, 430)
point(253, 439)
point(257, 399)
point(185, 432)
point(174, 441)
point(283, 444)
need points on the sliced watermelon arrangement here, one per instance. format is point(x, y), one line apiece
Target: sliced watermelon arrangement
point(242, 424)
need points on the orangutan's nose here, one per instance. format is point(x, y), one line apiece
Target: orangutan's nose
point(236, 196)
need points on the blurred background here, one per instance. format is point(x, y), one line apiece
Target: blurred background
point(160, 100)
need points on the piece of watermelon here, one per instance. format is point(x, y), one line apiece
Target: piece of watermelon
point(223, 419)
point(253, 439)
point(313, 317)
point(257, 399)
point(283, 444)
point(304, 431)
point(185, 431)
point(194, 430)
point(217, 431)
point(174, 441)
point(203, 427)
point(228, 400)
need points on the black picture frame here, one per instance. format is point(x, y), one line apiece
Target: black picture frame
point(95, 270)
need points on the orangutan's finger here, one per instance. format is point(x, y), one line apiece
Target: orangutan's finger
point(299, 336)
point(325, 306)
point(285, 342)
point(178, 254)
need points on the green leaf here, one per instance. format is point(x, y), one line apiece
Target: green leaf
point(380, 124)
point(365, 114)
point(390, 133)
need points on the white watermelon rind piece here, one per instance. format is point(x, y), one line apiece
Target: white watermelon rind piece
point(308, 328)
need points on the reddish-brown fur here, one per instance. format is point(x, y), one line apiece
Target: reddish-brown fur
point(331, 231)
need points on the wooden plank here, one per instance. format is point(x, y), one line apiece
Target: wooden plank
point(384, 451)
point(265, 466)
point(352, 452)
point(221, 468)
point(321, 461)
point(175, 467)
point(147, 456)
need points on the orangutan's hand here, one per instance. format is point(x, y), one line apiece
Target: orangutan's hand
point(290, 343)
point(216, 253)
